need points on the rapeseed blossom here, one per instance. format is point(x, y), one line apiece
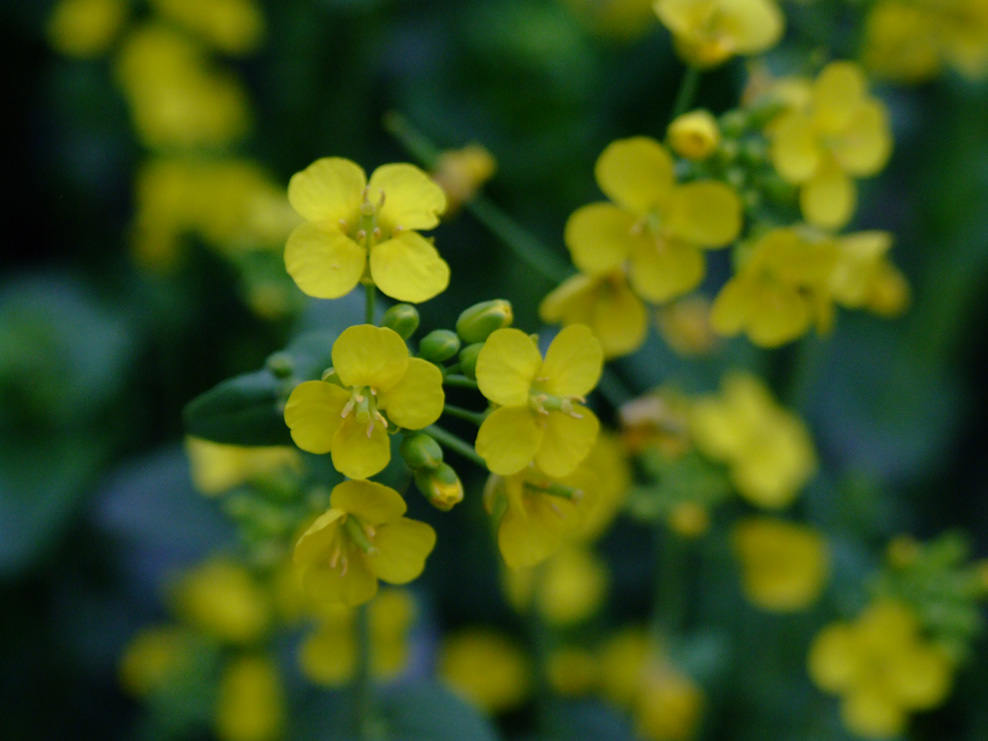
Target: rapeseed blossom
point(362, 538)
point(250, 705)
point(232, 26)
point(654, 225)
point(487, 667)
point(539, 417)
point(709, 32)
point(356, 230)
point(568, 589)
point(85, 28)
point(374, 385)
point(221, 599)
point(840, 133)
point(217, 468)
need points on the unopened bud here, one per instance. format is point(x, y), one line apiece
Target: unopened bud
point(461, 172)
point(689, 519)
point(281, 364)
point(439, 345)
point(402, 318)
point(478, 322)
point(421, 452)
point(441, 486)
point(694, 136)
point(468, 359)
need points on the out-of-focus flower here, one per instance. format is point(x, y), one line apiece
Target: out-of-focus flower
point(487, 667)
point(709, 32)
point(572, 671)
point(217, 468)
point(567, 589)
point(85, 28)
point(620, 19)
point(232, 26)
point(685, 326)
point(222, 599)
point(694, 135)
point(251, 705)
point(462, 172)
point(155, 656)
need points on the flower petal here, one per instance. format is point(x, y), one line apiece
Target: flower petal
point(319, 539)
point(328, 190)
point(828, 198)
point(506, 367)
point(794, 150)
point(665, 270)
point(752, 25)
point(352, 586)
point(402, 547)
point(865, 145)
point(567, 441)
point(372, 502)
point(313, 414)
point(704, 213)
point(571, 302)
point(619, 319)
point(358, 455)
point(324, 262)
point(411, 199)
point(530, 533)
point(408, 268)
point(417, 399)
point(600, 236)
point(636, 173)
point(509, 439)
point(573, 363)
point(837, 93)
point(365, 355)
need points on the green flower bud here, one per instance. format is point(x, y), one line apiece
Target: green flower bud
point(439, 345)
point(402, 318)
point(468, 359)
point(421, 452)
point(477, 322)
point(441, 486)
point(280, 364)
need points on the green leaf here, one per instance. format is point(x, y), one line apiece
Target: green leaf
point(425, 710)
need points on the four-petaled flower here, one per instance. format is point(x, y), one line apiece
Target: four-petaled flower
point(354, 227)
point(378, 384)
point(363, 537)
point(538, 418)
point(709, 32)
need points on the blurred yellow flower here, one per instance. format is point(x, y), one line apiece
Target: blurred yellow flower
point(768, 451)
point(620, 19)
point(842, 132)
point(669, 705)
point(538, 418)
point(251, 705)
point(354, 228)
point(567, 589)
point(85, 28)
point(222, 599)
point(709, 32)
point(882, 667)
point(363, 537)
point(653, 224)
point(685, 326)
point(607, 469)
point(217, 468)
point(694, 135)
point(376, 377)
point(487, 667)
point(155, 656)
point(462, 172)
point(232, 26)
point(572, 671)
point(783, 565)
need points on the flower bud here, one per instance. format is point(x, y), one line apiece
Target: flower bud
point(441, 486)
point(439, 345)
point(281, 364)
point(694, 136)
point(421, 452)
point(461, 172)
point(468, 359)
point(402, 318)
point(478, 322)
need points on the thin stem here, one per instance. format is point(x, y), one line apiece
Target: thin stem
point(370, 293)
point(451, 441)
point(411, 138)
point(669, 612)
point(687, 92)
point(476, 418)
point(362, 710)
point(461, 381)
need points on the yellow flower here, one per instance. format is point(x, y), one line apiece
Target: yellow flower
point(608, 469)
point(221, 598)
point(670, 704)
point(462, 172)
point(251, 705)
point(653, 224)
point(685, 326)
point(85, 28)
point(329, 656)
point(694, 135)
point(784, 565)
point(768, 451)
point(538, 417)
point(376, 377)
point(354, 227)
point(841, 132)
point(233, 26)
point(360, 539)
point(882, 667)
point(618, 19)
point(217, 468)
point(487, 667)
point(603, 302)
point(709, 32)
point(567, 589)
point(153, 657)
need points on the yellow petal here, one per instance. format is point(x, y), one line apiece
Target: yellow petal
point(324, 262)
point(352, 586)
point(794, 150)
point(328, 190)
point(665, 270)
point(730, 308)
point(777, 314)
point(509, 439)
point(600, 236)
point(864, 146)
point(408, 268)
point(704, 213)
point(573, 363)
point(828, 199)
point(837, 94)
point(871, 714)
point(313, 414)
point(318, 541)
point(402, 547)
point(567, 441)
point(372, 502)
point(329, 657)
point(531, 532)
point(920, 676)
point(571, 302)
point(637, 174)
point(619, 319)
point(834, 658)
point(411, 199)
point(417, 399)
point(752, 25)
point(357, 454)
point(506, 366)
point(365, 355)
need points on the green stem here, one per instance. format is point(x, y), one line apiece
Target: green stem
point(460, 381)
point(669, 612)
point(362, 710)
point(687, 92)
point(411, 138)
point(370, 293)
point(476, 418)
point(451, 441)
